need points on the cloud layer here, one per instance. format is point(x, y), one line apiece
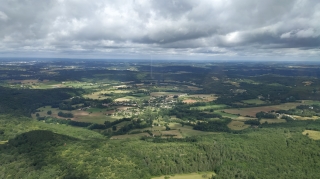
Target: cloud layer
point(161, 29)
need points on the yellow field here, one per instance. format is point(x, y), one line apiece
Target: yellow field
point(315, 135)
point(3, 142)
point(237, 125)
point(205, 175)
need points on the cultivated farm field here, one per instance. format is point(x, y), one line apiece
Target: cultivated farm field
point(253, 110)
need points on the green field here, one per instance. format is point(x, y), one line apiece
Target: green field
point(216, 106)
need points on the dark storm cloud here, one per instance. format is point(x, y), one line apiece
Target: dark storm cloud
point(161, 28)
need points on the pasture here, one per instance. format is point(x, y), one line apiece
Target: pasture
point(202, 175)
point(315, 135)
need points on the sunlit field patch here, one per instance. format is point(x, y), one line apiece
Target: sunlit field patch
point(315, 135)
point(204, 175)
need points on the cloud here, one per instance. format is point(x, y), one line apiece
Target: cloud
point(161, 28)
point(3, 16)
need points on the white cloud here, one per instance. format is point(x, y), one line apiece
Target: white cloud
point(105, 27)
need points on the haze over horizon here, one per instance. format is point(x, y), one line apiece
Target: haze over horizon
point(140, 29)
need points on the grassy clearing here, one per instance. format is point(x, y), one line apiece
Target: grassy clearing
point(204, 175)
point(271, 121)
point(215, 106)
point(315, 135)
point(254, 101)
point(237, 125)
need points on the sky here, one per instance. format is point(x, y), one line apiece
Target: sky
point(161, 29)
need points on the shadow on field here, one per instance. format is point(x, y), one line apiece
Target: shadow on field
point(41, 147)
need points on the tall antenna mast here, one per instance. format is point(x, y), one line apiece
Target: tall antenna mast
point(151, 68)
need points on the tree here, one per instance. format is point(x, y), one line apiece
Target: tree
point(114, 128)
point(37, 114)
point(49, 112)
